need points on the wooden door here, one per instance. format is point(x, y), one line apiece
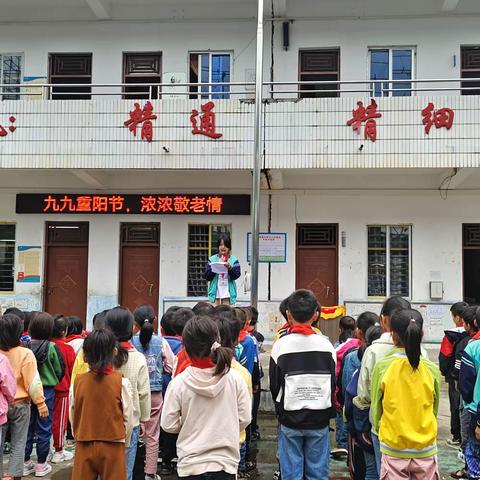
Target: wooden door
point(317, 261)
point(140, 265)
point(66, 269)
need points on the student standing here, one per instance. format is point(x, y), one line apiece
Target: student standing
point(51, 369)
point(302, 383)
point(29, 388)
point(208, 405)
point(101, 413)
point(120, 321)
point(160, 358)
point(222, 288)
point(405, 400)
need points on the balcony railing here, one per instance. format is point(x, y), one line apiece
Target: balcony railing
point(241, 90)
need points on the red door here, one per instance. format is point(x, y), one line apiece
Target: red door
point(66, 269)
point(140, 265)
point(317, 261)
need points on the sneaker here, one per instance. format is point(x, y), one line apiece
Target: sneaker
point(152, 477)
point(277, 475)
point(166, 469)
point(255, 435)
point(339, 453)
point(63, 456)
point(453, 443)
point(28, 468)
point(461, 455)
point(42, 469)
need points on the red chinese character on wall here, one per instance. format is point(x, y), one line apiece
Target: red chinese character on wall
point(198, 204)
point(67, 204)
point(164, 204)
point(143, 117)
point(443, 117)
point(365, 114)
point(207, 121)
point(100, 204)
point(116, 203)
point(12, 128)
point(181, 204)
point(84, 204)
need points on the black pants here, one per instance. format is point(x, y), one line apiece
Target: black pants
point(454, 398)
point(210, 476)
point(255, 407)
point(168, 446)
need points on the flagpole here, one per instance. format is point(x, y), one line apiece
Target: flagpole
point(257, 157)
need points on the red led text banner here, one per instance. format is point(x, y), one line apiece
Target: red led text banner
point(148, 204)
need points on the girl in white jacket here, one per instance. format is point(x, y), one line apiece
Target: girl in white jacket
point(208, 405)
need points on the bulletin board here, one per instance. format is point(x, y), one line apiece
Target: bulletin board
point(436, 316)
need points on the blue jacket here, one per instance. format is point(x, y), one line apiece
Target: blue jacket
point(154, 356)
point(233, 274)
point(469, 381)
point(250, 352)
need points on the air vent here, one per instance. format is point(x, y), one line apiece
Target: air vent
point(317, 235)
point(471, 235)
point(141, 233)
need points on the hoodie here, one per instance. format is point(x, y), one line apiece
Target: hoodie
point(208, 412)
point(51, 366)
point(446, 358)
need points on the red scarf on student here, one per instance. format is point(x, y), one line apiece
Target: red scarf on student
point(476, 336)
point(206, 362)
point(302, 330)
point(108, 370)
point(73, 337)
point(243, 334)
point(127, 346)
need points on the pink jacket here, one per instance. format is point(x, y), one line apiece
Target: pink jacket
point(8, 387)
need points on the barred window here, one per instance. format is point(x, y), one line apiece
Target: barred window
point(10, 74)
point(389, 271)
point(7, 257)
point(202, 244)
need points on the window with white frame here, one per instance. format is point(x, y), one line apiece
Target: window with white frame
point(210, 68)
point(396, 65)
point(389, 260)
point(10, 73)
point(7, 257)
point(202, 244)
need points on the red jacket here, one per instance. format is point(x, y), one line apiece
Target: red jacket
point(69, 356)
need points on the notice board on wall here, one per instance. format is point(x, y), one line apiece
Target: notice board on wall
point(436, 316)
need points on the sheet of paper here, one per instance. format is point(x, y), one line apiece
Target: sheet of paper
point(219, 267)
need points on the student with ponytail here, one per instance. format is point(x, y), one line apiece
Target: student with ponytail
point(208, 405)
point(132, 364)
point(160, 358)
point(405, 400)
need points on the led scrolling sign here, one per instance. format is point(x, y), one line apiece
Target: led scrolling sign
point(144, 204)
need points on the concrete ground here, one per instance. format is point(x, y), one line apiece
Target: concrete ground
point(266, 450)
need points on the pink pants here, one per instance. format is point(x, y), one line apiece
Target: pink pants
point(152, 434)
point(394, 468)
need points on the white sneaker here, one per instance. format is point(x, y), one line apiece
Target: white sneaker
point(42, 469)
point(63, 456)
point(152, 477)
point(28, 468)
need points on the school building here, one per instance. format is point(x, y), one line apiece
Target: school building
point(126, 146)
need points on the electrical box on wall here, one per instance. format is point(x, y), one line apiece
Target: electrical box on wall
point(436, 290)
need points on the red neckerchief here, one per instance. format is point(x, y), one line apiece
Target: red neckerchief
point(243, 334)
point(285, 326)
point(127, 346)
point(179, 337)
point(73, 337)
point(206, 362)
point(302, 330)
point(108, 370)
point(250, 329)
point(476, 336)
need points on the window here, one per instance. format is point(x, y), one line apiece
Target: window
point(7, 257)
point(319, 66)
point(389, 256)
point(210, 67)
point(392, 64)
point(470, 69)
point(142, 68)
point(202, 244)
point(74, 69)
point(10, 73)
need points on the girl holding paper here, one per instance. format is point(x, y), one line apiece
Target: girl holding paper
point(222, 270)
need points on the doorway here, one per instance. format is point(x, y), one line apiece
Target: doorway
point(139, 264)
point(66, 268)
point(471, 263)
point(317, 261)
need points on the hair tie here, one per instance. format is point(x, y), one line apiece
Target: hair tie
point(147, 320)
point(377, 324)
point(412, 320)
point(214, 347)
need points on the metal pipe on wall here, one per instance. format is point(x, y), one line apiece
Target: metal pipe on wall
point(257, 157)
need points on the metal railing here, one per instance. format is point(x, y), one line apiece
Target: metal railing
point(245, 90)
